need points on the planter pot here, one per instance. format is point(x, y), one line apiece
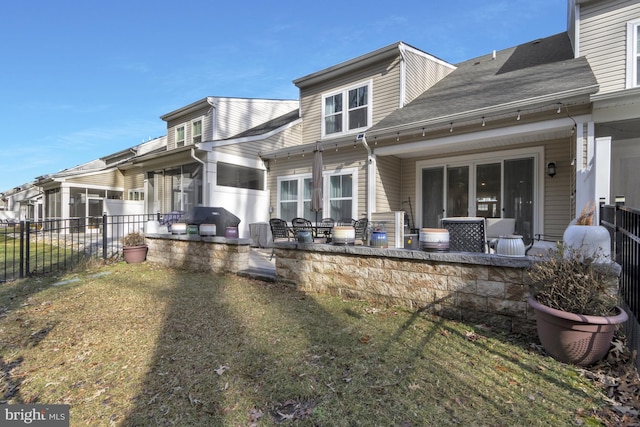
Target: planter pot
point(575, 338)
point(590, 241)
point(134, 254)
point(510, 245)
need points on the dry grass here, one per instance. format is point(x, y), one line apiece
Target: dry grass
point(137, 345)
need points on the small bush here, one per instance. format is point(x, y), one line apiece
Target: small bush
point(565, 281)
point(133, 239)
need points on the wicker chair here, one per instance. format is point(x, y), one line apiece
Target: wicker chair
point(466, 234)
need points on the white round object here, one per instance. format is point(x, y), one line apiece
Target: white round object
point(153, 227)
point(589, 241)
point(510, 245)
point(343, 235)
point(207, 229)
point(179, 228)
point(434, 239)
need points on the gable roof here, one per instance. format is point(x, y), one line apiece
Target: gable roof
point(528, 75)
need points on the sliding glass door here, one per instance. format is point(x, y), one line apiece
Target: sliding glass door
point(498, 188)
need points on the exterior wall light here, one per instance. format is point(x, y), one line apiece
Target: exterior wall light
point(551, 169)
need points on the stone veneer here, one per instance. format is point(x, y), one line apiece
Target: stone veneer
point(196, 253)
point(479, 288)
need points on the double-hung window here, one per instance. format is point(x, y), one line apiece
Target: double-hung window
point(180, 136)
point(339, 201)
point(348, 110)
point(633, 53)
point(196, 131)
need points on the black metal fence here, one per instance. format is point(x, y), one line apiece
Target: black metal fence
point(30, 248)
point(623, 224)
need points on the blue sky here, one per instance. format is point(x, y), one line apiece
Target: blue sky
point(84, 79)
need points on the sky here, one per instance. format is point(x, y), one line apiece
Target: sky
point(82, 79)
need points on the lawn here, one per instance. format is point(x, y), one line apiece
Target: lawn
point(141, 345)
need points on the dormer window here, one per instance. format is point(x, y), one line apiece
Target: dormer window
point(196, 131)
point(180, 136)
point(339, 118)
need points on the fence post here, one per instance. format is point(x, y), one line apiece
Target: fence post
point(104, 236)
point(22, 260)
point(620, 200)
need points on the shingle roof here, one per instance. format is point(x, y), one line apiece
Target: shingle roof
point(269, 126)
point(525, 72)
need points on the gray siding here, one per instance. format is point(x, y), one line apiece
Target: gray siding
point(603, 39)
point(422, 73)
point(386, 95)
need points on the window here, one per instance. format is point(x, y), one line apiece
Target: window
point(136, 194)
point(180, 136)
point(196, 131)
point(240, 176)
point(633, 54)
point(294, 196)
point(358, 112)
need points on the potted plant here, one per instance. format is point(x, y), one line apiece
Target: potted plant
point(575, 304)
point(134, 248)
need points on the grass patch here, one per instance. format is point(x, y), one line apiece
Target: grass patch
point(137, 344)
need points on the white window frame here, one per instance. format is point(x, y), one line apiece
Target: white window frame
point(632, 53)
point(326, 200)
point(195, 136)
point(344, 92)
point(136, 194)
point(180, 142)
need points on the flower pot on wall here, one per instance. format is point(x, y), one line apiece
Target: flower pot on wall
point(575, 338)
point(134, 254)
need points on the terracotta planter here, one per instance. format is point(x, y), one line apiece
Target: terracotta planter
point(575, 338)
point(134, 254)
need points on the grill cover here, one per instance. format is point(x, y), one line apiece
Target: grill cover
point(221, 217)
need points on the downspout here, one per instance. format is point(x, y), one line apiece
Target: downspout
point(371, 178)
point(205, 199)
point(403, 73)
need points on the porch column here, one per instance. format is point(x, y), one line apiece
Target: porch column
point(585, 166)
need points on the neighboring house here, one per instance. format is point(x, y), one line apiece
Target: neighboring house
point(21, 203)
point(212, 157)
point(95, 187)
point(508, 134)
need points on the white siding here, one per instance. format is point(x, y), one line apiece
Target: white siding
point(422, 72)
point(235, 115)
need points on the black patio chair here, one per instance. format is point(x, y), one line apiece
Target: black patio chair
point(302, 224)
point(346, 222)
point(279, 230)
point(361, 229)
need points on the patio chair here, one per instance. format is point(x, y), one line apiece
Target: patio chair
point(279, 230)
point(361, 229)
point(300, 224)
point(346, 222)
point(325, 226)
point(466, 234)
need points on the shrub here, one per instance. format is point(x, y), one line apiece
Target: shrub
point(133, 239)
point(566, 281)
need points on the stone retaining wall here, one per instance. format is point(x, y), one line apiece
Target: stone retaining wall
point(478, 288)
point(195, 253)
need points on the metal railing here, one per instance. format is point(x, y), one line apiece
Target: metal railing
point(623, 224)
point(30, 248)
